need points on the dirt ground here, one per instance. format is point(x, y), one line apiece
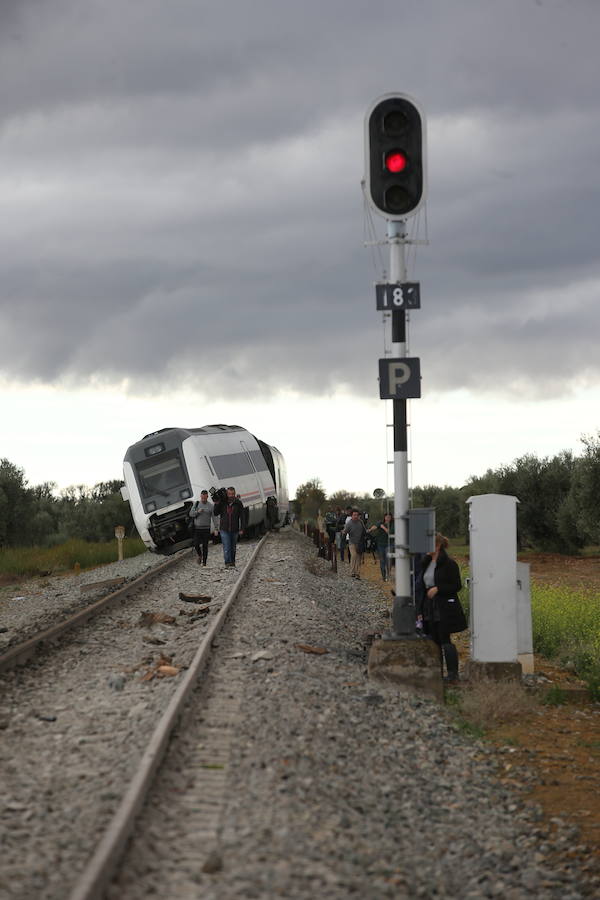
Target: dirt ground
point(560, 744)
point(571, 571)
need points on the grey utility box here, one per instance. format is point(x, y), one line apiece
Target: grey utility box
point(493, 578)
point(421, 530)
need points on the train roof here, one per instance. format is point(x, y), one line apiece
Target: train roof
point(206, 429)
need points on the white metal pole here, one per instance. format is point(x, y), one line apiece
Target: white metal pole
point(396, 236)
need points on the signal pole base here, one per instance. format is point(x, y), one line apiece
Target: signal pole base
point(410, 667)
point(403, 620)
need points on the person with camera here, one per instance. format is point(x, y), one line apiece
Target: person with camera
point(201, 515)
point(383, 533)
point(231, 524)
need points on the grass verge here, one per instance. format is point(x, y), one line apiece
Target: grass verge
point(566, 627)
point(488, 704)
point(27, 561)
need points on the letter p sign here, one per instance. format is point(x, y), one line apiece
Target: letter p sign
point(398, 375)
point(399, 379)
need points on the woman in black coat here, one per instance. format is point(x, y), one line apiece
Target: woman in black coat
point(438, 606)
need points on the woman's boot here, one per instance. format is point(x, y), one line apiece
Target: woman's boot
point(451, 657)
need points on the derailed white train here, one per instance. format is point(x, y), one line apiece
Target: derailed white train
point(165, 472)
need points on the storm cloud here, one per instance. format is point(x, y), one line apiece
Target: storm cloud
point(180, 192)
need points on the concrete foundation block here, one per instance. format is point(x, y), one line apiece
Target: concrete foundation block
point(410, 666)
point(475, 670)
point(527, 663)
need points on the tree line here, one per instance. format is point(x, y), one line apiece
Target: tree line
point(36, 516)
point(558, 509)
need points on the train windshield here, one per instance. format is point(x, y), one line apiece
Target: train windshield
point(161, 476)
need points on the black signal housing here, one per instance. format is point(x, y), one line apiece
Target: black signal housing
point(394, 151)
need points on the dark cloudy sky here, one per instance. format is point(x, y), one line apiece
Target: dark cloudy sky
point(180, 195)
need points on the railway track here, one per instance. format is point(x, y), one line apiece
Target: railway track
point(97, 874)
point(23, 650)
point(85, 726)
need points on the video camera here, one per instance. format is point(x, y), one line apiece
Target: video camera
point(218, 495)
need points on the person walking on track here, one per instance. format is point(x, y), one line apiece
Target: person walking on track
point(356, 531)
point(201, 515)
point(231, 524)
point(383, 533)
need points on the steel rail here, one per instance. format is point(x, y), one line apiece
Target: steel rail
point(19, 654)
point(101, 867)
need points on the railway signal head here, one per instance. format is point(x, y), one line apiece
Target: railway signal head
point(394, 156)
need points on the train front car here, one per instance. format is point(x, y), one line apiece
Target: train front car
point(165, 472)
point(159, 487)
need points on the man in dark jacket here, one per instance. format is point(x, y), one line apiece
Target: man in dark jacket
point(231, 524)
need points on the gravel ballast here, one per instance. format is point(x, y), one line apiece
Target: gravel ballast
point(334, 786)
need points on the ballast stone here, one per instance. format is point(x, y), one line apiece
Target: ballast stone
point(412, 667)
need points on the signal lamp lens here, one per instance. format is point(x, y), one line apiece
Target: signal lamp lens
point(395, 122)
point(395, 162)
point(398, 200)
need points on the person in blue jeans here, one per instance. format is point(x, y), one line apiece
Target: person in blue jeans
point(383, 533)
point(231, 524)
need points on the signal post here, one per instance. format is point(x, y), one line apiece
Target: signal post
point(395, 186)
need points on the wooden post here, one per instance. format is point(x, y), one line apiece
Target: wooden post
point(120, 535)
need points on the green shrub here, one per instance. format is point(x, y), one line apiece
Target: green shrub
point(555, 696)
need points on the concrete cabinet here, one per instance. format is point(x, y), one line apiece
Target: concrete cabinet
point(493, 578)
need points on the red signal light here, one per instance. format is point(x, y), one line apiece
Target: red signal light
point(396, 161)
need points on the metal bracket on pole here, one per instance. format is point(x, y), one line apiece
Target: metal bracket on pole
point(384, 243)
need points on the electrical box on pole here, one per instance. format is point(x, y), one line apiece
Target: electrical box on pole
point(395, 156)
point(421, 530)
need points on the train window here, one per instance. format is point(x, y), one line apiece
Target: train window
point(258, 460)
point(231, 464)
point(160, 477)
